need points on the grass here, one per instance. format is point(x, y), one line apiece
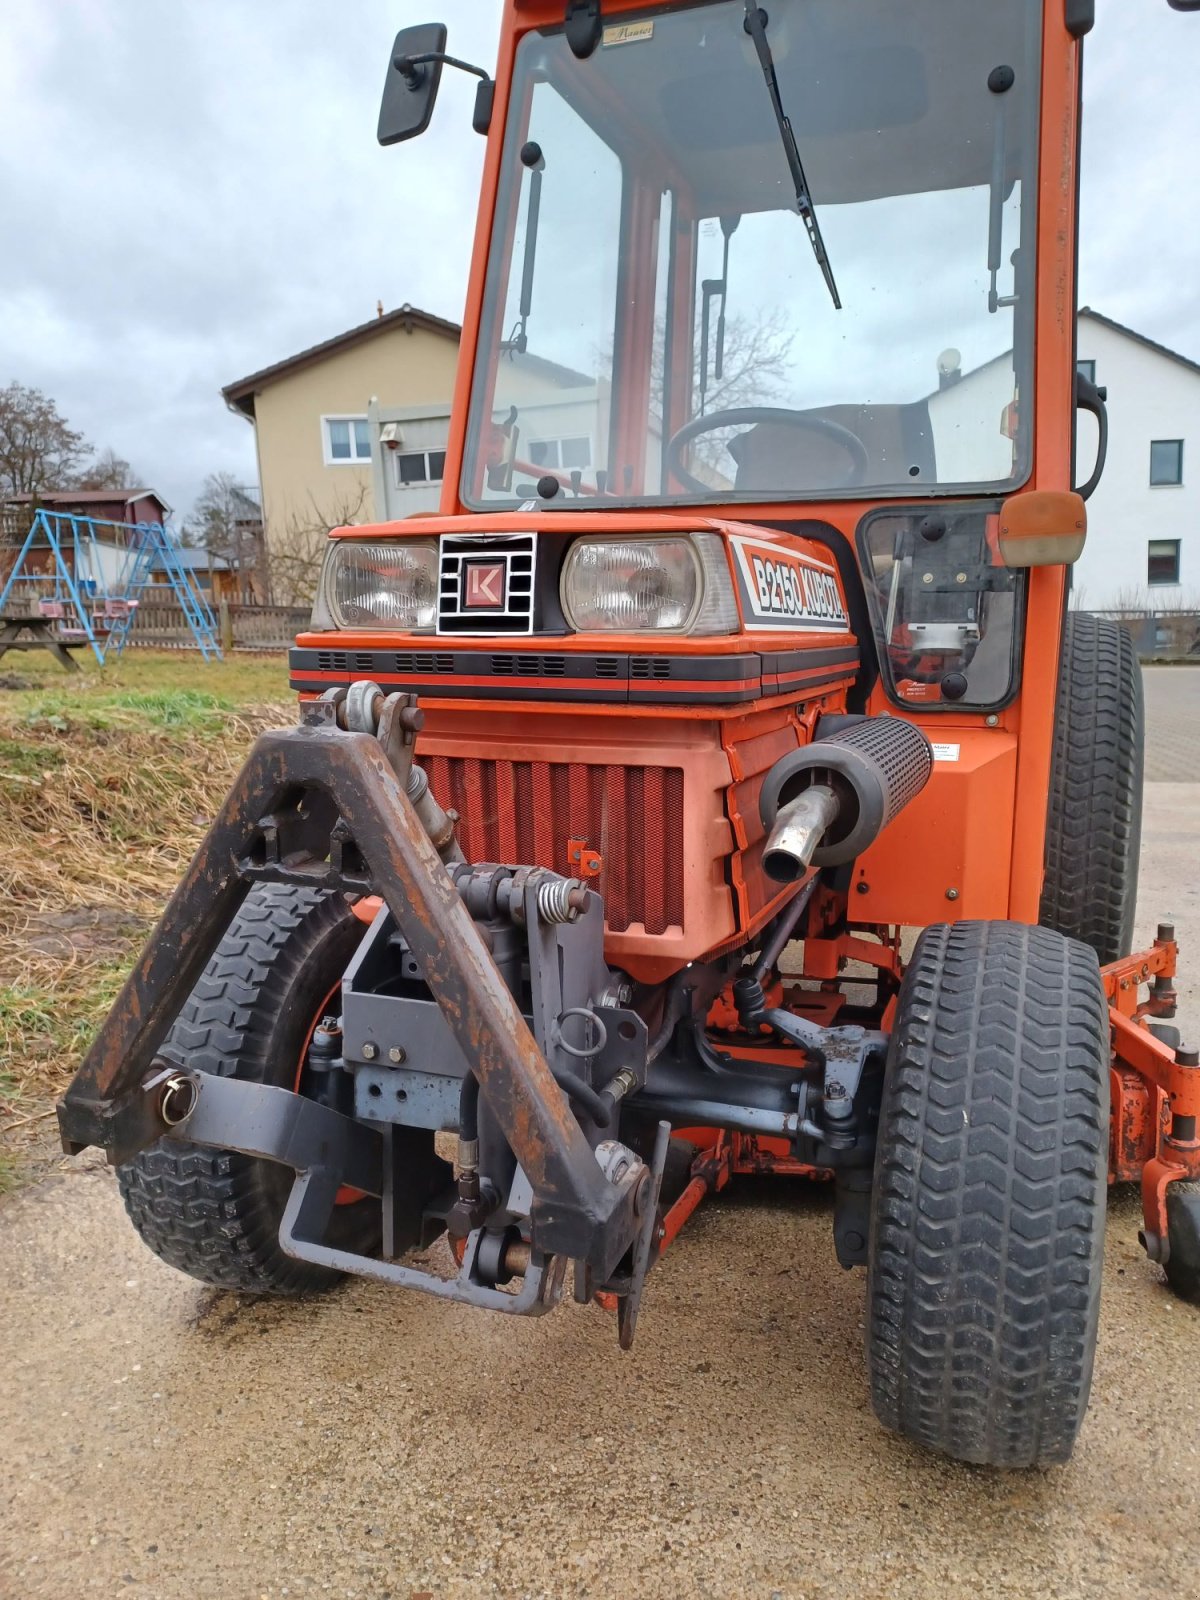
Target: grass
point(108, 779)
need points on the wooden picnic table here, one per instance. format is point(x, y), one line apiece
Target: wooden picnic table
point(43, 637)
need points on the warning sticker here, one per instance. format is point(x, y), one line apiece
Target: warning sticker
point(946, 752)
point(627, 33)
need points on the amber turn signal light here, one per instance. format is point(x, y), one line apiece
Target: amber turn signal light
point(1044, 528)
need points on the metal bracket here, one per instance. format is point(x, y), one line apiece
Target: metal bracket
point(307, 780)
point(630, 1304)
point(306, 1219)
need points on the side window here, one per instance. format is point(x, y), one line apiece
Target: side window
point(419, 466)
point(555, 335)
point(1162, 561)
point(346, 440)
point(1166, 461)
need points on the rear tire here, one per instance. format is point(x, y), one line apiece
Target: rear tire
point(215, 1214)
point(1094, 821)
point(988, 1208)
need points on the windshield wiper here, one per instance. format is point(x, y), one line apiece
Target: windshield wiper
point(804, 200)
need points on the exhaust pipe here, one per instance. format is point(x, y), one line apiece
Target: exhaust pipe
point(800, 826)
point(824, 804)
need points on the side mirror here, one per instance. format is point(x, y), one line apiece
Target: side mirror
point(411, 85)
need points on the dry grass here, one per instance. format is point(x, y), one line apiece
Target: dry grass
point(107, 782)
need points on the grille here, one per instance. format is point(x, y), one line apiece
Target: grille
point(524, 812)
point(649, 667)
point(517, 555)
point(529, 666)
point(383, 661)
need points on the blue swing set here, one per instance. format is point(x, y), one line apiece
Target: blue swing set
point(87, 577)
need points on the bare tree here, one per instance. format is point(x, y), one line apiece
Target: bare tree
point(39, 450)
point(756, 354)
point(228, 524)
point(107, 471)
point(295, 555)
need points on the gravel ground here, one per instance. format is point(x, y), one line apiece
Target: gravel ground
point(166, 1440)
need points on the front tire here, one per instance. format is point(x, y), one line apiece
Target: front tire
point(988, 1208)
point(215, 1214)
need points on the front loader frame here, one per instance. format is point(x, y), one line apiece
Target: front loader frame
point(319, 806)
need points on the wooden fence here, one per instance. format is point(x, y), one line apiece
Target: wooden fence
point(160, 626)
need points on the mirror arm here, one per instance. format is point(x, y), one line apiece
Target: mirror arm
point(409, 67)
point(412, 70)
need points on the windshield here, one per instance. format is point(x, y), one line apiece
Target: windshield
point(661, 320)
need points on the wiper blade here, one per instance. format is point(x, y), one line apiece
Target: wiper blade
point(804, 200)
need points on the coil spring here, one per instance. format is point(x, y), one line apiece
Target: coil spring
point(554, 900)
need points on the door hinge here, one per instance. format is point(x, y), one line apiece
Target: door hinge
point(583, 26)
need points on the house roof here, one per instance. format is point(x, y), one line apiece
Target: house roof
point(1140, 338)
point(84, 497)
point(239, 396)
point(196, 560)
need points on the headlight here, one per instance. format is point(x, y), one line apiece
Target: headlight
point(390, 586)
point(665, 584)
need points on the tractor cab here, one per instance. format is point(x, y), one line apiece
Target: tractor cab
point(763, 809)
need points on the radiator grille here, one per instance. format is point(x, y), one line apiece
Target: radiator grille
point(524, 812)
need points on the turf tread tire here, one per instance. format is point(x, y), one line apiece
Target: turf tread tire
point(1094, 820)
point(215, 1214)
point(988, 1207)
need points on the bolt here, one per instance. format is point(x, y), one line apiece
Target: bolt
point(396, 1054)
point(370, 1051)
point(993, 721)
point(862, 887)
point(927, 577)
point(951, 894)
point(960, 577)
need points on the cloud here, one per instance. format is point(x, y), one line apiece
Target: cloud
point(193, 190)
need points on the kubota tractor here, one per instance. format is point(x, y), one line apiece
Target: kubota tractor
point(765, 809)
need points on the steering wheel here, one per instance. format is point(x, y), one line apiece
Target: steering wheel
point(736, 415)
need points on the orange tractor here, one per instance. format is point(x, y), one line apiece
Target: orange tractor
point(764, 809)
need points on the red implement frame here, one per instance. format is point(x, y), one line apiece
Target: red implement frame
point(1155, 1093)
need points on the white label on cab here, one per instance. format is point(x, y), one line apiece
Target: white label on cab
point(946, 752)
point(783, 589)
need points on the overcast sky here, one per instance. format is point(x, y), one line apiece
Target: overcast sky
point(191, 190)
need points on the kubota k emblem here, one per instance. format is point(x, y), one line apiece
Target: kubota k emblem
point(483, 585)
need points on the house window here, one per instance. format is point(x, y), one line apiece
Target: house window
point(347, 440)
point(565, 454)
point(419, 466)
point(1162, 564)
point(1166, 461)
point(1088, 369)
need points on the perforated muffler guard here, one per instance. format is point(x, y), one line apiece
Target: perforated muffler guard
point(875, 767)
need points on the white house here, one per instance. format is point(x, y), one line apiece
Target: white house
point(1143, 543)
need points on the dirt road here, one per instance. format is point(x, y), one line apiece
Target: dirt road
point(163, 1440)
